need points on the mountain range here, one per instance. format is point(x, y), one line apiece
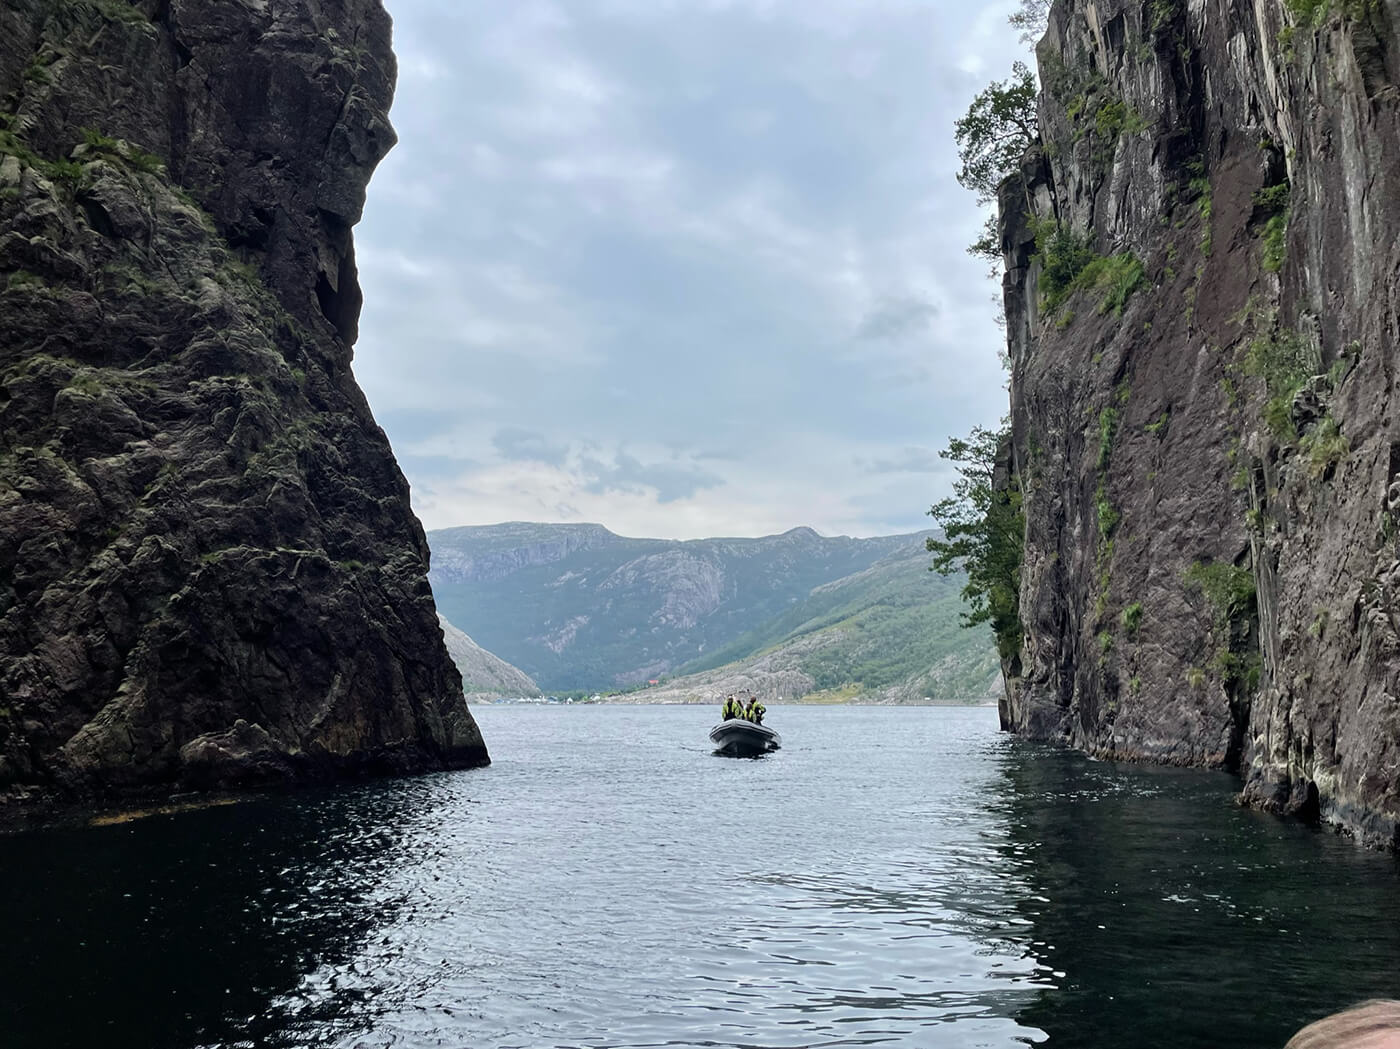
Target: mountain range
point(891, 633)
point(577, 606)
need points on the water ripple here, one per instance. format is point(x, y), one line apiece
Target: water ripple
point(890, 878)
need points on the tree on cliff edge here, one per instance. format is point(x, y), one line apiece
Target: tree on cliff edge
point(983, 535)
point(998, 128)
point(1031, 18)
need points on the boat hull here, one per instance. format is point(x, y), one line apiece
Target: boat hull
point(737, 738)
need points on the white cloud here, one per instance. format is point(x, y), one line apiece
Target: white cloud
point(623, 231)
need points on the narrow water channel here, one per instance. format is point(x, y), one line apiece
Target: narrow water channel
point(894, 877)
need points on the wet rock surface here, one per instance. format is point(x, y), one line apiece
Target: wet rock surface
point(209, 571)
point(1211, 559)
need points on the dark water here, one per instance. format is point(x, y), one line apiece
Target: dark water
point(895, 877)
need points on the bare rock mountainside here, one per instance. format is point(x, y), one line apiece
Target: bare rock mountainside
point(484, 674)
point(209, 571)
point(1204, 395)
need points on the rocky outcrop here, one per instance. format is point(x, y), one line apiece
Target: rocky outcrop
point(209, 571)
point(785, 675)
point(1207, 443)
point(774, 677)
point(691, 587)
point(484, 674)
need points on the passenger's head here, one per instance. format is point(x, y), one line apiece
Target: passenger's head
point(1370, 1025)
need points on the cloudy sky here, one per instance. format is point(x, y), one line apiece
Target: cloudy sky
point(681, 267)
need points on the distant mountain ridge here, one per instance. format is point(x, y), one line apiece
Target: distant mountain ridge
point(889, 634)
point(488, 552)
point(577, 606)
point(483, 673)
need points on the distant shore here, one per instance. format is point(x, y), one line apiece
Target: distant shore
point(639, 700)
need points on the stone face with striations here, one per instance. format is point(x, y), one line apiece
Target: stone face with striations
point(209, 571)
point(1212, 573)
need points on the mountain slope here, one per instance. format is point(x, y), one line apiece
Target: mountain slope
point(484, 674)
point(575, 606)
point(890, 633)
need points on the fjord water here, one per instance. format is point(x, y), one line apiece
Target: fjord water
point(893, 877)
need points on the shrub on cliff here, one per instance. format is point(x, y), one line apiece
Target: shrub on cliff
point(1063, 256)
point(1285, 360)
point(983, 535)
point(1230, 592)
point(1313, 13)
point(1068, 264)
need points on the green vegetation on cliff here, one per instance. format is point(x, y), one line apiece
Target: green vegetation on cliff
point(1070, 264)
point(984, 529)
point(992, 136)
point(997, 129)
point(1285, 360)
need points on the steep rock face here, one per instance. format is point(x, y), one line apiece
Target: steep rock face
point(209, 571)
point(691, 587)
point(1211, 561)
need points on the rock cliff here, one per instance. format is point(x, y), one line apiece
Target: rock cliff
point(209, 571)
point(1204, 357)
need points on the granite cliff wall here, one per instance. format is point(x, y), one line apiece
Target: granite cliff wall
point(209, 571)
point(1208, 445)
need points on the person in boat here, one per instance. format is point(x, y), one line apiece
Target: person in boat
point(756, 711)
point(731, 709)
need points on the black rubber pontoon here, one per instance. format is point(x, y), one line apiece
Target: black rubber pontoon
point(737, 738)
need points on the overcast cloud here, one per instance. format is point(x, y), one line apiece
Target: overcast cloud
point(681, 267)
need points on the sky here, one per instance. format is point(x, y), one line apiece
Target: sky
point(684, 268)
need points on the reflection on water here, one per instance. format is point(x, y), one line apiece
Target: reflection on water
point(1180, 919)
point(174, 929)
point(891, 877)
